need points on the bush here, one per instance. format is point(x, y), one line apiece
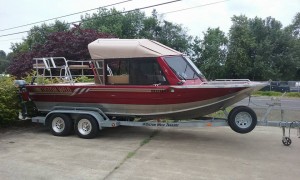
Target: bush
point(9, 101)
point(84, 79)
point(39, 79)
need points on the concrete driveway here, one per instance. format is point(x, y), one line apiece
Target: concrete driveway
point(149, 153)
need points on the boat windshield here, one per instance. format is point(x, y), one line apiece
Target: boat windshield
point(184, 68)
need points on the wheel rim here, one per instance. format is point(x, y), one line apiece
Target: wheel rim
point(58, 124)
point(84, 126)
point(243, 120)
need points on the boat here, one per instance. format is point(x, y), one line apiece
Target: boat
point(133, 78)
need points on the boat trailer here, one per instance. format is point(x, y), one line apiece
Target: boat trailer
point(56, 120)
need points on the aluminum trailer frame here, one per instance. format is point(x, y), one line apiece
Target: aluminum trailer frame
point(104, 121)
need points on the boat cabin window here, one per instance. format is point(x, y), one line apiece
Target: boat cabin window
point(184, 68)
point(135, 71)
point(202, 77)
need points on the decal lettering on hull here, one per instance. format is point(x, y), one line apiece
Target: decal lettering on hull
point(51, 91)
point(161, 124)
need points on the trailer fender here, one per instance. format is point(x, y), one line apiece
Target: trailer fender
point(76, 113)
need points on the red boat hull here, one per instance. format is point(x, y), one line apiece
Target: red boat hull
point(174, 102)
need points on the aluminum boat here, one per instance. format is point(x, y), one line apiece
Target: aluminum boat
point(133, 78)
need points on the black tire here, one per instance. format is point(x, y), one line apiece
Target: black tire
point(286, 141)
point(228, 117)
point(60, 124)
point(242, 119)
point(86, 127)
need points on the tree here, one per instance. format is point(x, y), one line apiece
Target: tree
point(273, 55)
point(211, 52)
point(174, 36)
point(294, 30)
point(122, 25)
point(3, 61)
point(151, 26)
point(2, 54)
point(263, 58)
point(135, 24)
point(165, 32)
point(9, 105)
point(70, 44)
point(259, 50)
point(295, 26)
point(38, 35)
point(241, 44)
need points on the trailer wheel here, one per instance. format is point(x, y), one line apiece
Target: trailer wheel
point(286, 141)
point(60, 124)
point(86, 127)
point(242, 119)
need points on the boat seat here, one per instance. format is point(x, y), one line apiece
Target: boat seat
point(121, 79)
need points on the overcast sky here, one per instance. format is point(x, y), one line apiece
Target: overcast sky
point(197, 20)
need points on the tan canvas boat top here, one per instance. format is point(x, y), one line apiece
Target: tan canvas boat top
point(128, 48)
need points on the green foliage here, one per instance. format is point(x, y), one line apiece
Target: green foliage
point(273, 93)
point(123, 25)
point(38, 35)
point(39, 79)
point(294, 30)
point(293, 94)
point(136, 25)
point(2, 54)
point(295, 26)
point(168, 33)
point(260, 50)
point(130, 155)
point(4, 62)
point(255, 48)
point(211, 52)
point(84, 79)
point(174, 36)
point(220, 114)
point(240, 49)
point(9, 104)
point(267, 93)
point(151, 26)
point(23, 52)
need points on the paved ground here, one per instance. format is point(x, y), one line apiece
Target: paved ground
point(149, 153)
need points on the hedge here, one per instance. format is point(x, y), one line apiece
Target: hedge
point(9, 101)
